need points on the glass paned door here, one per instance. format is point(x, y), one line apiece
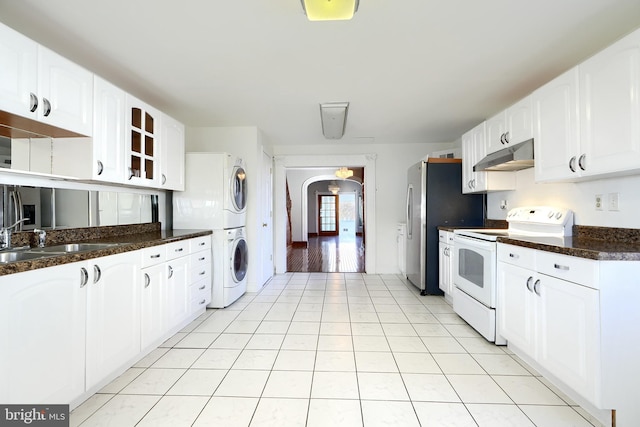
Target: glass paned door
point(328, 212)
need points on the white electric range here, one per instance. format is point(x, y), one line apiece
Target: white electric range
point(475, 262)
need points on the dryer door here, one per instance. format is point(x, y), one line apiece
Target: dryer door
point(238, 189)
point(239, 260)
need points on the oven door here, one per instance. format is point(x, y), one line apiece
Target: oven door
point(475, 268)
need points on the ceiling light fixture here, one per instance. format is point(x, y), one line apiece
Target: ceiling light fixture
point(330, 10)
point(344, 173)
point(334, 119)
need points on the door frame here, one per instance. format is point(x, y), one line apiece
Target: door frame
point(368, 161)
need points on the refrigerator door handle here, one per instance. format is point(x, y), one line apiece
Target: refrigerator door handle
point(409, 211)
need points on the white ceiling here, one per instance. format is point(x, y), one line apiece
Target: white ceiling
point(412, 70)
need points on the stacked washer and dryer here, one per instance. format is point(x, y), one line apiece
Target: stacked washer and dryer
point(215, 198)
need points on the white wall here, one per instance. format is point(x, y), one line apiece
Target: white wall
point(392, 162)
point(580, 197)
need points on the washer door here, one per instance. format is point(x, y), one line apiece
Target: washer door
point(239, 253)
point(238, 189)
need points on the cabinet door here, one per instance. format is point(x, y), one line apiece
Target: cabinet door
point(154, 304)
point(42, 335)
point(172, 144)
point(515, 309)
point(467, 162)
point(496, 128)
point(18, 72)
point(178, 298)
point(569, 334)
point(610, 108)
point(518, 122)
point(142, 143)
point(443, 267)
point(66, 92)
point(473, 149)
point(556, 131)
point(113, 314)
point(108, 132)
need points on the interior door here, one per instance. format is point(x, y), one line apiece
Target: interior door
point(266, 194)
point(328, 220)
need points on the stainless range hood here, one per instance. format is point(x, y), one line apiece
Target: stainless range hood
point(513, 158)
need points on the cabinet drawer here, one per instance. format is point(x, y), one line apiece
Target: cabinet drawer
point(200, 258)
point(154, 255)
point(573, 269)
point(200, 272)
point(177, 249)
point(517, 255)
point(200, 243)
point(200, 294)
point(442, 236)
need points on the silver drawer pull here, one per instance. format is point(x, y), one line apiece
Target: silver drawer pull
point(201, 243)
point(202, 287)
point(155, 256)
point(514, 256)
point(530, 283)
point(202, 273)
point(203, 301)
point(179, 250)
point(561, 267)
point(536, 287)
point(201, 259)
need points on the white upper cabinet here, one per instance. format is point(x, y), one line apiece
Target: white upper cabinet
point(510, 126)
point(556, 133)
point(172, 162)
point(473, 150)
point(610, 109)
point(18, 72)
point(39, 84)
point(142, 143)
point(108, 132)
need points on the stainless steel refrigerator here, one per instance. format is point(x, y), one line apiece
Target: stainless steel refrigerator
point(434, 198)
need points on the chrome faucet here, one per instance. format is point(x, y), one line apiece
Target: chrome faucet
point(42, 236)
point(5, 234)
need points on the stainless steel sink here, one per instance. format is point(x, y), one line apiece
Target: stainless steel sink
point(15, 256)
point(73, 247)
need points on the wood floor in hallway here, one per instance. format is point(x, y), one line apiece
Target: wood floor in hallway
point(328, 254)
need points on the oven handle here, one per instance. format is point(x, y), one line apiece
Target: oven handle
point(473, 243)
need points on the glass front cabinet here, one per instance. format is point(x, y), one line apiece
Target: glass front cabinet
point(142, 144)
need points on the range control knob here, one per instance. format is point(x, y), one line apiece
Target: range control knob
point(550, 214)
point(559, 215)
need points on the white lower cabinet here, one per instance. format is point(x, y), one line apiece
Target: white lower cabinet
point(42, 335)
point(113, 314)
point(445, 258)
point(66, 331)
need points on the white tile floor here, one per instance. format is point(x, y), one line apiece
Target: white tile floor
point(330, 349)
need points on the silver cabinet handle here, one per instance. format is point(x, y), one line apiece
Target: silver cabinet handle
point(536, 287)
point(84, 277)
point(529, 283)
point(170, 272)
point(203, 301)
point(506, 137)
point(155, 256)
point(97, 273)
point(179, 250)
point(572, 164)
point(202, 287)
point(100, 167)
point(561, 267)
point(202, 243)
point(47, 107)
point(131, 173)
point(164, 179)
point(581, 161)
point(202, 273)
point(33, 103)
point(514, 256)
point(147, 280)
point(201, 258)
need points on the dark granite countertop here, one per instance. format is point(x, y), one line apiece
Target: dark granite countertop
point(597, 243)
point(128, 238)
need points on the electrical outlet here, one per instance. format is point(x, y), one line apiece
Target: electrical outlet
point(598, 202)
point(614, 202)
